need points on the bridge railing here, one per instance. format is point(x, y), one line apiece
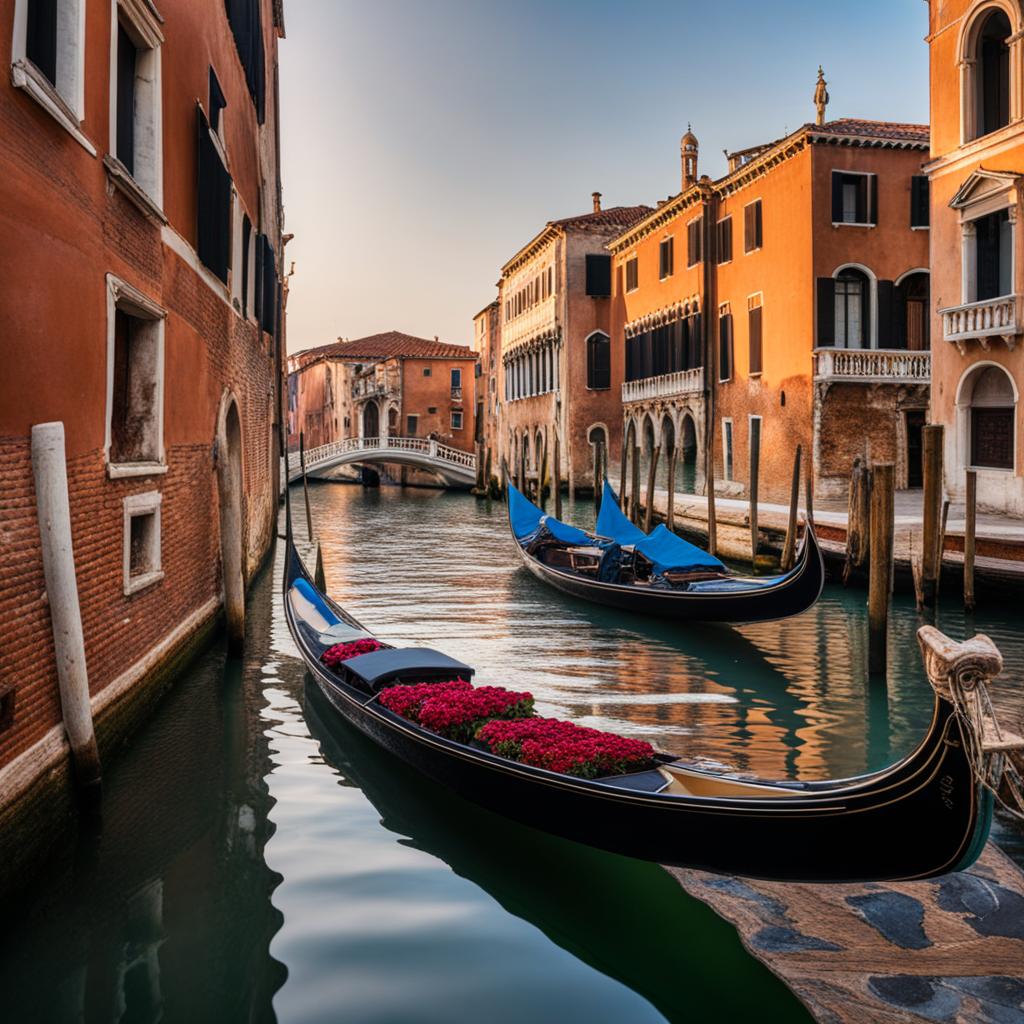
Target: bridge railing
point(434, 450)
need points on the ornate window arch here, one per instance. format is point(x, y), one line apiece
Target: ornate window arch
point(599, 361)
point(856, 305)
point(990, 68)
point(986, 406)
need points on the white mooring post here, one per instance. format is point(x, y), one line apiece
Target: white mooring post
point(54, 512)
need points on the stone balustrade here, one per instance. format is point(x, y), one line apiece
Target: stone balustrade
point(667, 385)
point(873, 365)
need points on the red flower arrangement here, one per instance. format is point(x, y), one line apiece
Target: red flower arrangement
point(335, 655)
point(455, 709)
point(566, 747)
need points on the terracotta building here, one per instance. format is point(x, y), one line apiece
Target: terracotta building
point(490, 378)
point(140, 290)
point(385, 385)
point(560, 370)
point(793, 292)
point(976, 175)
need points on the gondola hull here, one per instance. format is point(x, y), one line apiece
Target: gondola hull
point(922, 817)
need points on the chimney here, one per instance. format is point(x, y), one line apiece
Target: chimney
point(596, 196)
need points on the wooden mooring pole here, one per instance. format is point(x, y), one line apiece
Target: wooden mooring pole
point(542, 475)
point(709, 486)
point(789, 548)
point(635, 486)
point(670, 511)
point(970, 527)
point(622, 477)
point(857, 519)
point(931, 554)
point(305, 486)
point(597, 477)
point(883, 525)
point(557, 476)
point(652, 474)
point(755, 472)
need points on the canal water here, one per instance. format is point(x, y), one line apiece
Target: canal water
point(258, 860)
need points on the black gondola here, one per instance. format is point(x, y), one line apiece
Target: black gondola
point(657, 573)
point(926, 815)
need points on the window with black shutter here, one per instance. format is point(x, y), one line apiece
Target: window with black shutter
point(632, 274)
point(854, 198)
point(246, 27)
point(246, 248)
point(724, 240)
point(125, 109)
point(41, 37)
point(919, 214)
point(217, 102)
point(752, 226)
point(213, 235)
point(599, 275)
point(754, 333)
point(693, 242)
point(825, 299)
point(889, 328)
point(725, 346)
point(665, 259)
point(268, 307)
point(599, 362)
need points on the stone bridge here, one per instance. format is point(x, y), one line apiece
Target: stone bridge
point(456, 468)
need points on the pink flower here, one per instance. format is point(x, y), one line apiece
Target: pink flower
point(455, 709)
point(335, 655)
point(408, 699)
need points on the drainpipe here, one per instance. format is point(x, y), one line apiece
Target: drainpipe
point(54, 512)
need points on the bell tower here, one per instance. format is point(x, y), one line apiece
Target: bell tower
point(688, 154)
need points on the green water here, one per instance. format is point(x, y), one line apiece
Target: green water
point(258, 860)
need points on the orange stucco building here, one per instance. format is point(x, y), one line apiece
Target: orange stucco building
point(141, 309)
point(977, 254)
point(490, 379)
point(792, 291)
point(560, 371)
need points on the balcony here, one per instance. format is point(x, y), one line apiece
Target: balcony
point(372, 388)
point(982, 321)
point(668, 385)
point(456, 394)
point(872, 366)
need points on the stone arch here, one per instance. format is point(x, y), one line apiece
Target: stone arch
point(975, 64)
point(231, 502)
point(869, 338)
point(986, 406)
point(370, 420)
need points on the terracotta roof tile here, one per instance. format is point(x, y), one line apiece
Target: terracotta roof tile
point(383, 346)
point(614, 216)
point(878, 129)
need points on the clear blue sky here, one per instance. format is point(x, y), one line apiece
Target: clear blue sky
point(425, 141)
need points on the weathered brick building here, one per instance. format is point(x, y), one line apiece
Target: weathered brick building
point(559, 368)
point(977, 254)
point(140, 306)
point(792, 291)
point(490, 379)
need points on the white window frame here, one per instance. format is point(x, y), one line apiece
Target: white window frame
point(728, 450)
point(732, 240)
point(136, 505)
point(144, 186)
point(755, 300)
point(625, 273)
point(65, 101)
point(123, 296)
point(867, 201)
point(459, 413)
point(871, 335)
point(694, 220)
point(671, 239)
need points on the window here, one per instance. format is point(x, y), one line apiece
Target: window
point(248, 264)
point(217, 105)
point(724, 342)
point(141, 541)
point(851, 309)
point(426, 371)
point(599, 275)
point(135, 375)
point(752, 235)
point(48, 60)
point(599, 362)
point(456, 419)
point(993, 242)
point(432, 410)
point(754, 333)
point(727, 449)
point(136, 131)
point(919, 214)
point(213, 198)
point(456, 379)
point(632, 274)
point(267, 293)
point(992, 75)
point(991, 421)
point(665, 259)
point(724, 239)
point(854, 198)
point(694, 249)
point(244, 18)
point(410, 425)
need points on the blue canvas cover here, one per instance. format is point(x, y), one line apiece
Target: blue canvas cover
point(668, 551)
point(526, 519)
point(612, 523)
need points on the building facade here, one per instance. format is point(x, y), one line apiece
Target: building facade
point(789, 297)
point(140, 290)
point(976, 174)
point(560, 372)
point(490, 379)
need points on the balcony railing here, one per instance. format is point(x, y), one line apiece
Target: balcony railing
point(990, 317)
point(456, 394)
point(875, 366)
point(667, 385)
point(371, 388)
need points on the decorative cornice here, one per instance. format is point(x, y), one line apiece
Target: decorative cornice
point(668, 211)
point(531, 344)
point(544, 238)
point(661, 317)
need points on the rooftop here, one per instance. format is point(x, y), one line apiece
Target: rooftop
point(387, 345)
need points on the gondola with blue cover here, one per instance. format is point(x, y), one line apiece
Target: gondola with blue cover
point(657, 573)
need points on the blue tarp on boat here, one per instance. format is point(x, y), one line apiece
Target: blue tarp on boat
point(526, 519)
point(612, 523)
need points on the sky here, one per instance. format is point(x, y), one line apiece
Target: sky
point(425, 141)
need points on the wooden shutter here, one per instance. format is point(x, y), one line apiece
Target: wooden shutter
point(888, 330)
point(724, 240)
point(125, 86)
point(752, 226)
point(919, 213)
point(246, 243)
point(41, 37)
point(826, 300)
point(725, 347)
point(873, 203)
point(246, 27)
point(837, 198)
point(217, 101)
point(213, 234)
point(754, 326)
point(693, 247)
point(758, 226)
point(268, 307)
point(599, 275)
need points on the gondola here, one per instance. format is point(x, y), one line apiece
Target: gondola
point(923, 816)
point(658, 573)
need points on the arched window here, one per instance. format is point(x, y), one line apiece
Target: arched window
point(853, 303)
point(992, 74)
point(912, 330)
point(371, 420)
point(599, 362)
point(992, 415)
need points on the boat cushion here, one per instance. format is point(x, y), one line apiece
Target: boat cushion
point(341, 633)
point(393, 664)
point(309, 605)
